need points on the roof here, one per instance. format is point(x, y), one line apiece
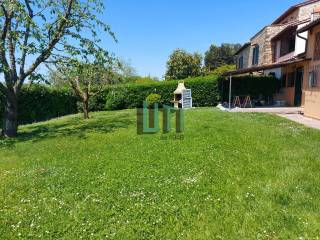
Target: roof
point(286, 29)
point(291, 26)
point(309, 26)
point(244, 46)
point(292, 9)
point(264, 67)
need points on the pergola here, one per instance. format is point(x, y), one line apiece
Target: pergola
point(251, 70)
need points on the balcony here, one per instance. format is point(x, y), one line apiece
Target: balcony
point(285, 57)
point(284, 45)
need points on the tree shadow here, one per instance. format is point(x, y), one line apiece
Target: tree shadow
point(74, 126)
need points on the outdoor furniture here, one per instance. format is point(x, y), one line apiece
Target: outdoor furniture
point(237, 102)
point(246, 103)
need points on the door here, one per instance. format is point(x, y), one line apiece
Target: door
point(298, 87)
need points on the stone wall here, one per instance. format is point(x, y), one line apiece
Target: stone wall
point(306, 11)
point(263, 39)
point(245, 54)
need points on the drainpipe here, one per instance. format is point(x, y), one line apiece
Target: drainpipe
point(230, 91)
point(303, 38)
point(299, 36)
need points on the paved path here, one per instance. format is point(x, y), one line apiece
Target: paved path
point(291, 113)
point(309, 122)
point(275, 110)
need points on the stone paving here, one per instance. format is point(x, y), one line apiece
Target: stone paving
point(309, 122)
point(292, 113)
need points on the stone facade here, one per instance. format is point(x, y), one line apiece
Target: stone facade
point(263, 38)
point(306, 11)
point(245, 53)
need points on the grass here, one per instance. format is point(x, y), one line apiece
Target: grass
point(233, 176)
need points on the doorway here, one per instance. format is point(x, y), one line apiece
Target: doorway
point(298, 87)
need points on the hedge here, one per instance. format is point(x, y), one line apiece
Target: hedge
point(205, 92)
point(43, 103)
point(254, 86)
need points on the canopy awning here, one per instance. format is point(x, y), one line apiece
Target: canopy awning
point(264, 67)
point(309, 26)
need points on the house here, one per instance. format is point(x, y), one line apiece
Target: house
point(286, 49)
point(311, 86)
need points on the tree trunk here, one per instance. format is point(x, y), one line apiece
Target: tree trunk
point(10, 118)
point(86, 108)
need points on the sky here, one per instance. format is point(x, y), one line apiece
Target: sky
point(149, 30)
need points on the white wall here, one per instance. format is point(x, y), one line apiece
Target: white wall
point(301, 43)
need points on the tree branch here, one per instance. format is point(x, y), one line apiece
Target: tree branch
point(47, 52)
point(3, 88)
point(12, 57)
point(4, 61)
point(25, 41)
point(76, 87)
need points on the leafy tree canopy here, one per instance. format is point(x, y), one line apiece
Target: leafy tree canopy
point(182, 64)
point(218, 56)
point(33, 32)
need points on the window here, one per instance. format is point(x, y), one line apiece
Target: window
point(317, 47)
point(240, 62)
point(312, 79)
point(255, 55)
point(288, 42)
point(291, 77)
point(291, 43)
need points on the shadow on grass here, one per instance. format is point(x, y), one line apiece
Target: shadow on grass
point(70, 126)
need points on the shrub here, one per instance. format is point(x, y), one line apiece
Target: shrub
point(204, 92)
point(153, 98)
point(41, 103)
point(115, 100)
point(254, 86)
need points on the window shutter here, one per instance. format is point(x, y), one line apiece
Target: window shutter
point(317, 47)
point(255, 55)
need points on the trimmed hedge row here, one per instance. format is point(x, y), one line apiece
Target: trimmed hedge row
point(204, 92)
point(265, 86)
point(43, 103)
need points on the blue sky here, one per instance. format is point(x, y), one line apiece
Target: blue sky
point(149, 30)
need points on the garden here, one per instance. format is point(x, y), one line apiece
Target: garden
point(231, 176)
point(73, 164)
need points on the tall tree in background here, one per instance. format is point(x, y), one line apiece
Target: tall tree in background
point(33, 32)
point(182, 64)
point(218, 56)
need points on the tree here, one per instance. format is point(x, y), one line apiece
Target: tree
point(182, 64)
point(222, 69)
point(86, 79)
point(125, 69)
point(218, 56)
point(33, 32)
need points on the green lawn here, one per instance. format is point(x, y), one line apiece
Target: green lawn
point(233, 176)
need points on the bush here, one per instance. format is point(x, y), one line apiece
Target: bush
point(254, 86)
point(204, 92)
point(153, 98)
point(42, 103)
point(115, 100)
